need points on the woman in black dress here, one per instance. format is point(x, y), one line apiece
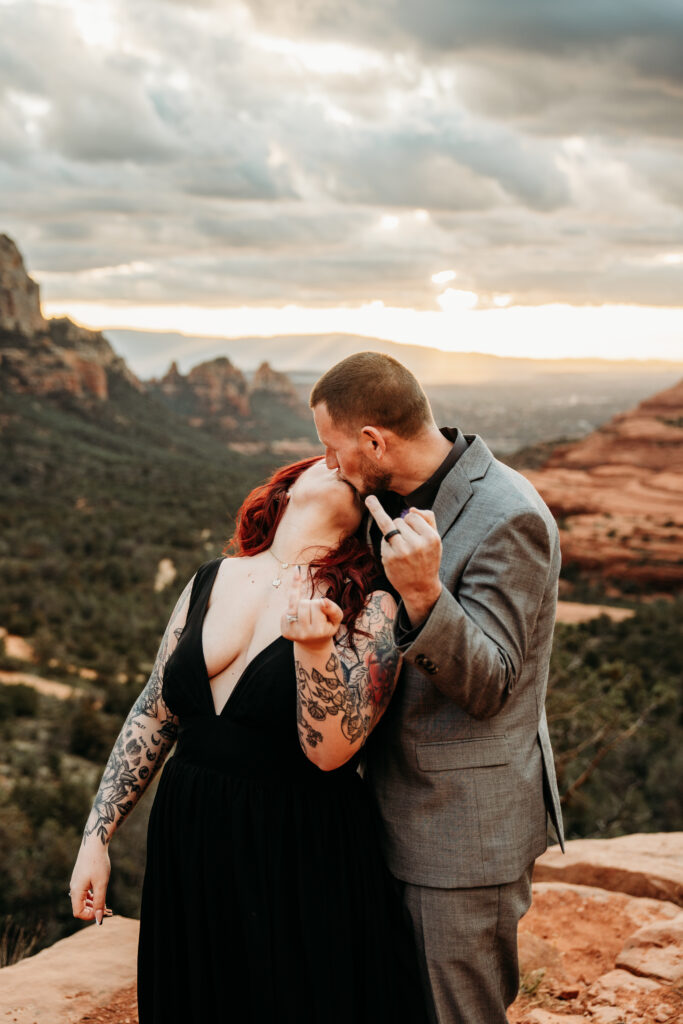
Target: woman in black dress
point(265, 897)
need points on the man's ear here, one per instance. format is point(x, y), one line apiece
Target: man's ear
point(373, 443)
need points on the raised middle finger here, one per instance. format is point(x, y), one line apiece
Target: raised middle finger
point(397, 543)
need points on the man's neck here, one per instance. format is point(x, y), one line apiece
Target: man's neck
point(419, 459)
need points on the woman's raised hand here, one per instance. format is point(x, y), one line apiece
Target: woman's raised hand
point(89, 880)
point(312, 622)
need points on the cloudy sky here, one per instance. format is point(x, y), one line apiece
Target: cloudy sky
point(489, 174)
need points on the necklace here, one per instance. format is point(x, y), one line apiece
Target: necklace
point(277, 582)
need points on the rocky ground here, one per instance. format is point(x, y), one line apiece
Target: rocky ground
point(608, 957)
point(601, 944)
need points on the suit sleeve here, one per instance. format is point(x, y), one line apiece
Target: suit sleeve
point(475, 641)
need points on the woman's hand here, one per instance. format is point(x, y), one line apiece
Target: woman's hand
point(89, 880)
point(311, 622)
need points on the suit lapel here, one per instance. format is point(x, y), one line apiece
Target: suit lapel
point(454, 493)
point(456, 489)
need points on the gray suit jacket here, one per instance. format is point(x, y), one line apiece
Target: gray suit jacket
point(461, 765)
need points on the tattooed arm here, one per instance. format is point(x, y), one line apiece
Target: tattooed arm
point(147, 735)
point(342, 689)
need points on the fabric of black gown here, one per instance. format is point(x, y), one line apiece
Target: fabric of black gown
point(265, 897)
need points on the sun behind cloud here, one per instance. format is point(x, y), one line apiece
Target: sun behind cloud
point(239, 166)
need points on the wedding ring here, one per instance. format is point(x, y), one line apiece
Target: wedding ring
point(392, 533)
point(292, 618)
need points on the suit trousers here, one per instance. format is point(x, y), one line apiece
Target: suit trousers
point(467, 946)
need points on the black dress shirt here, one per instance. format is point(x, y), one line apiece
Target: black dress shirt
point(423, 496)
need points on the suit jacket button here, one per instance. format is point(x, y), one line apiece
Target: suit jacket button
point(420, 660)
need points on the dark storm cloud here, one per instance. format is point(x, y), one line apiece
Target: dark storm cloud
point(293, 228)
point(441, 167)
point(214, 279)
point(597, 64)
point(236, 179)
point(534, 26)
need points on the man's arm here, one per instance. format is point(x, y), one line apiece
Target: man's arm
point(473, 644)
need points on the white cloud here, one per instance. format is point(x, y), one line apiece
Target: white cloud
point(298, 152)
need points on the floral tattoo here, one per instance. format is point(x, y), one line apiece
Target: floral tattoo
point(147, 735)
point(357, 683)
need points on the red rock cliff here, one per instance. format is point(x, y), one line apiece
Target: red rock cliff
point(43, 357)
point(618, 495)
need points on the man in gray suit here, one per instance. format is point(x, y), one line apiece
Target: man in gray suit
point(461, 765)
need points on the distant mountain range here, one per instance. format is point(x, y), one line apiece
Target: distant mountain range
point(150, 351)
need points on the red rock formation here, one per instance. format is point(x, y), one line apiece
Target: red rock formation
point(44, 357)
point(618, 495)
point(220, 388)
point(214, 393)
point(216, 396)
point(648, 864)
point(275, 384)
point(19, 295)
point(172, 382)
point(91, 351)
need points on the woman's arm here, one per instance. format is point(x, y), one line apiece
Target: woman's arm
point(342, 690)
point(147, 735)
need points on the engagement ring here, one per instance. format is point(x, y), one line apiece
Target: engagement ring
point(292, 618)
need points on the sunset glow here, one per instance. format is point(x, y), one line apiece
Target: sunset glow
point(554, 331)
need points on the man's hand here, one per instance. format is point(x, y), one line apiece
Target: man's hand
point(411, 557)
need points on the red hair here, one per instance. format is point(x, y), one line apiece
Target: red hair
point(344, 574)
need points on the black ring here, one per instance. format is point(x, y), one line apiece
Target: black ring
point(392, 533)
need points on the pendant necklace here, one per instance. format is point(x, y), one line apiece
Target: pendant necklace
point(277, 582)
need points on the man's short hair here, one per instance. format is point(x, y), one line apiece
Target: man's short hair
point(373, 388)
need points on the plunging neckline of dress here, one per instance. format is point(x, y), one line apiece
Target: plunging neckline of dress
point(257, 656)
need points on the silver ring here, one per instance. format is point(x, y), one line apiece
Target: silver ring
point(390, 534)
point(292, 618)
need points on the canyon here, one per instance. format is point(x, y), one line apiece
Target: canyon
point(617, 495)
point(58, 359)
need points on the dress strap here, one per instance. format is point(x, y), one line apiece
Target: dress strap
point(206, 571)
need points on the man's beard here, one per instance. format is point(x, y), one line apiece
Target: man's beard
point(373, 479)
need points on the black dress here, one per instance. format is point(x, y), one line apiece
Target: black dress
point(265, 898)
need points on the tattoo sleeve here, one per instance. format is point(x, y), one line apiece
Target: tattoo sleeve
point(147, 735)
point(339, 702)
